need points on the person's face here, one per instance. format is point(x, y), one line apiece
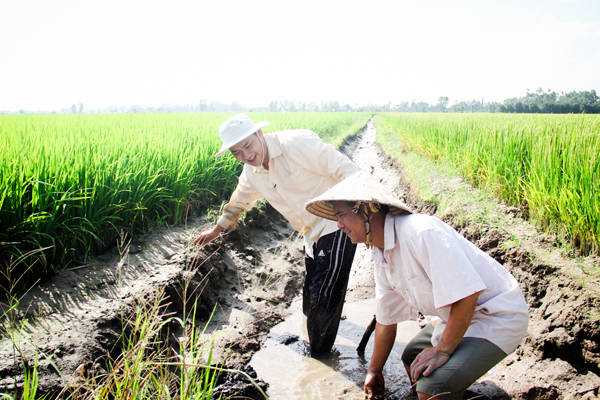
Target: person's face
point(351, 223)
point(250, 150)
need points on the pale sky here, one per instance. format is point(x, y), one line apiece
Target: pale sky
point(148, 53)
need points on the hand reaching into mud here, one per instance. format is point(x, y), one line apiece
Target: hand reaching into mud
point(208, 236)
point(374, 385)
point(426, 362)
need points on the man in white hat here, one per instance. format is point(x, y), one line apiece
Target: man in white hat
point(422, 264)
point(288, 168)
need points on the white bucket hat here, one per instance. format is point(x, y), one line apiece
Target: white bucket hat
point(358, 187)
point(236, 129)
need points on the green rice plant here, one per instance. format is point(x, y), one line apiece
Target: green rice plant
point(12, 330)
point(148, 367)
point(73, 183)
point(548, 165)
point(70, 182)
point(30, 385)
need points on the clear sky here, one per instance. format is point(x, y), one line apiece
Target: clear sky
point(148, 53)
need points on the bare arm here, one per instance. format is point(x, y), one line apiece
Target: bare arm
point(430, 359)
point(461, 314)
point(384, 341)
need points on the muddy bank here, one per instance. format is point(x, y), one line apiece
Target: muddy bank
point(560, 355)
point(74, 322)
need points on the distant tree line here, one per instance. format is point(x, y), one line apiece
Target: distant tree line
point(539, 101)
point(552, 102)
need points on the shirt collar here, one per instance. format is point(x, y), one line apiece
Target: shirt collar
point(274, 148)
point(389, 241)
point(389, 232)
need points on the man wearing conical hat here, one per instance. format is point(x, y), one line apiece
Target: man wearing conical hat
point(424, 265)
point(287, 168)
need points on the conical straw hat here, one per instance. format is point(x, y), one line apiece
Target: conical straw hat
point(357, 187)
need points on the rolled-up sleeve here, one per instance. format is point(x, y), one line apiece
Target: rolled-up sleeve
point(243, 198)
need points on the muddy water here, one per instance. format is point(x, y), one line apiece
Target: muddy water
point(284, 361)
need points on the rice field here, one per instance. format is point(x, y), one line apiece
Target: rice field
point(72, 185)
point(547, 165)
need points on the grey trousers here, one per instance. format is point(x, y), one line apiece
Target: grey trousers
point(472, 358)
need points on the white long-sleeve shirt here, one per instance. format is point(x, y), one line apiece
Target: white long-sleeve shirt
point(301, 167)
point(427, 266)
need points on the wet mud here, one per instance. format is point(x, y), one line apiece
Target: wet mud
point(254, 275)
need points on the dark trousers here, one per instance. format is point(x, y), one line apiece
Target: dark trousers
point(325, 288)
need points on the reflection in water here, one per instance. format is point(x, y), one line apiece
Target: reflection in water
point(285, 363)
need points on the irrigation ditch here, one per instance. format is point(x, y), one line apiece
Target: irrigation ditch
point(74, 323)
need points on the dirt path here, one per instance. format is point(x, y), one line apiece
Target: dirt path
point(255, 273)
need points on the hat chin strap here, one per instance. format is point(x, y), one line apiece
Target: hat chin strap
point(368, 234)
point(373, 207)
